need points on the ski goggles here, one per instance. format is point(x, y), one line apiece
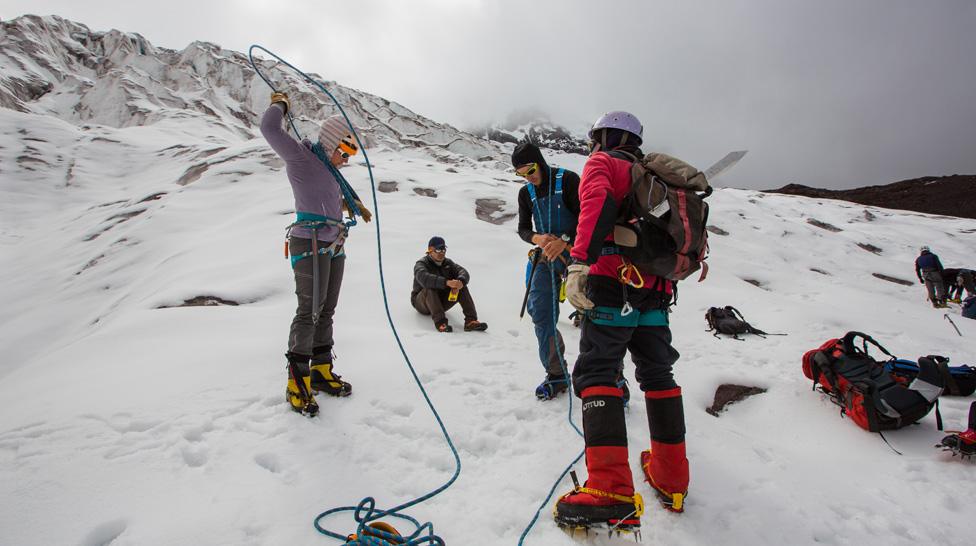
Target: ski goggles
point(533, 168)
point(347, 147)
point(439, 250)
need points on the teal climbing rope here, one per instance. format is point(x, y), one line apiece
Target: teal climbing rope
point(366, 511)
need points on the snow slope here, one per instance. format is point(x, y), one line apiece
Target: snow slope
point(126, 423)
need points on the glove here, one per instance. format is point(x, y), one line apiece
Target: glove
point(364, 212)
point(278, 96)
point(576, 286)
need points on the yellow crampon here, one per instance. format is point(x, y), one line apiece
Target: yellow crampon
point(677, 499)
point(636, 500)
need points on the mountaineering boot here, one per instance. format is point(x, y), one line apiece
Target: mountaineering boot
point(963, 443)
point(607, 499)
point(553, 386)
point(298, 392)
point(324, 378)
point(665, 464)
point(443, 326)
point(475, 326)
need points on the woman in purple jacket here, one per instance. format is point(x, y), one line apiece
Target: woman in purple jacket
point(315, 243)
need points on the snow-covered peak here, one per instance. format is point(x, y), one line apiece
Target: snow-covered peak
point(535, 126)
point(53, 66)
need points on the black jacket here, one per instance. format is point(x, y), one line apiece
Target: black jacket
point(427, 274)
point(571, 201)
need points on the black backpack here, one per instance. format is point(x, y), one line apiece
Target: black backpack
point(729, 321)
point(661, 223)
point(958, 380)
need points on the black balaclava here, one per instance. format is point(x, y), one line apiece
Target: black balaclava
point(527, 152)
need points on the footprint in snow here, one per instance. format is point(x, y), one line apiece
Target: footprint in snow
point(105, 533)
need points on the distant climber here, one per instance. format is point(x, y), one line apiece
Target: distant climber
point(929, 269)
point(957, 281)
point(438, 284)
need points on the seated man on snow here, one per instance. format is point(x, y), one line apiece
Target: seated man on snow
point(438, 284)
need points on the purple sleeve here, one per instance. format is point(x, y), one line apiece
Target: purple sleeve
point(286, 147)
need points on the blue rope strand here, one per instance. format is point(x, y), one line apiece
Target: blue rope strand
point(562, 363)
point(366, 511)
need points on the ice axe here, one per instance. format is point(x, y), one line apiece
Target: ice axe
point(534, 254)
point(724, 164)
point(953, 324)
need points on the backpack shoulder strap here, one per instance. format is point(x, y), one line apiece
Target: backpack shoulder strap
point(623, 155)
point(536, 213)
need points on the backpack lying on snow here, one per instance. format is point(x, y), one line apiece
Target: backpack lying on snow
point(870, 395)
point(661, 223)
point(958, 380)
point(969, 307)
point(729, 321)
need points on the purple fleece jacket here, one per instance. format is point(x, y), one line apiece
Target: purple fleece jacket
point(316, 190)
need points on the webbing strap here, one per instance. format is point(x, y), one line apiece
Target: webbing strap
point(557, 196)
point(613, 316)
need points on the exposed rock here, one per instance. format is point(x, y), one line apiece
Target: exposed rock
point(193, 174)
point(728, 393)
point(426, 192)
point(201, 301)
point(895, 280)
point(452, 170)
point(716, 230)
point(953, 195)
point(823, 225)
point(821, 271)
point(870, 248)
point(486, 209)
point(755, 283)
point(388, 186)
point(868, 216)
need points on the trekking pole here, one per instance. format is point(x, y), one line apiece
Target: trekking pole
point(536, 253)
point(953, 324)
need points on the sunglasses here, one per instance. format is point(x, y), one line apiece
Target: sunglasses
point(347, 147)
point(533, 167)
point(440, 250)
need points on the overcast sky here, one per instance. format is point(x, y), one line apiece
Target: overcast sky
point(837, 93)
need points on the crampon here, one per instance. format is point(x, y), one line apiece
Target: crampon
point(613, 518)
point(962, 443)
point(673, 502)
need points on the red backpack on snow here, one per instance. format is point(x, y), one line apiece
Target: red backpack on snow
point(870, 395)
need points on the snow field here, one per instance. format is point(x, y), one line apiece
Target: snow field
point(124, 423)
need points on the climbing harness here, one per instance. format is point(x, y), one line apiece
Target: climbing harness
point(370, 531)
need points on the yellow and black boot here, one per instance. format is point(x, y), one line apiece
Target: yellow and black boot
point(298, 393)
point(323, 376)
